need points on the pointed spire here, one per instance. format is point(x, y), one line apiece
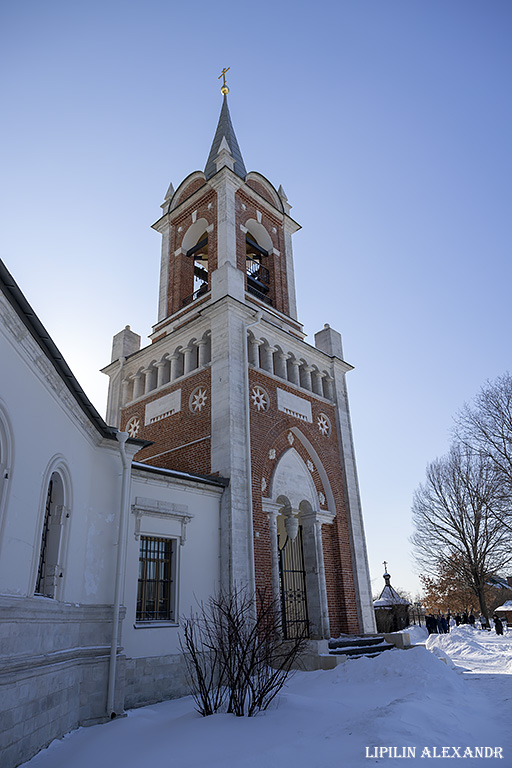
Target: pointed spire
point(169, 193)
point(225, 134)
point(284, 199)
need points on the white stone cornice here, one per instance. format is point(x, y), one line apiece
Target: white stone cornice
point(162, 509)
point(322, 516)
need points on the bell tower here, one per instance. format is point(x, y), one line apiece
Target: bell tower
point(228, 386)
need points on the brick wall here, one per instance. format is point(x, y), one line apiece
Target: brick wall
point(185, 428)
point(269, 430)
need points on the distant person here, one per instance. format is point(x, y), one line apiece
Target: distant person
point(452, 623)
point(471, 620)
point(444, 625)
point(465, 618)
point(431, 623)
point(458, 619)
point(498, 625)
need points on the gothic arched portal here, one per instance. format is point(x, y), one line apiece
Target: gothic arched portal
point(298, 576)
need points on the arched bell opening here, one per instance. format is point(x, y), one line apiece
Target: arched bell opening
point(196, 263)
point(258, 261)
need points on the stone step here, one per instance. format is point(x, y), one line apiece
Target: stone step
point(361, 650)
point(355, 647)
point(348, 641)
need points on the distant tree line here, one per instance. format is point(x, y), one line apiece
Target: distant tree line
point(462, 513)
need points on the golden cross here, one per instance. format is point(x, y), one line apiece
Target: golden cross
point(223, 75)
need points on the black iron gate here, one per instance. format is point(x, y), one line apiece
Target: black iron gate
point(292, 578)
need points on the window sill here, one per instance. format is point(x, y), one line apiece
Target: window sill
point(154, 624)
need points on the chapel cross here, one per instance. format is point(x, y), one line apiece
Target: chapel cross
point(385, 566)
point(224, 88)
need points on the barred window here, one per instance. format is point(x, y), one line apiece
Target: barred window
point(155, 592)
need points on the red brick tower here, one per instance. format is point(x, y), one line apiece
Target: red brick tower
point(229, 386)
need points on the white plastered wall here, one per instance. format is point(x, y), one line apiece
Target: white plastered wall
point(197, 552)
point(52, 434)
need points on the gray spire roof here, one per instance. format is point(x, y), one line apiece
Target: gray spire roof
point(225, 130)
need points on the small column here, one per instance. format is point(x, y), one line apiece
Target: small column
point(188, 362)
point(281, 371)
point(254, 356)
point(322, 588)
point(202, 345)
point(162, 373)
point(125, 391)
point(317, 383)
point(306, 377)
point(294, 375)
point(149, 382)
point(328, 387)
point(138, 385)
point(174, 366)
point(267, 360)
point(274, 554)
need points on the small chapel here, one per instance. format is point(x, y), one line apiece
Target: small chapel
point(225, 461)
point(229, 387)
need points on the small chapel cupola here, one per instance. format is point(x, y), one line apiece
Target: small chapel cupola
point(389, 596)
point(391, 610)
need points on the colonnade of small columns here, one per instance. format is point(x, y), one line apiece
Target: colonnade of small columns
point(181, 362)
point(286, 366)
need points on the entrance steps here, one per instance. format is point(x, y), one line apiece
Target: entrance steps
point(327, 654)
point(355, 647)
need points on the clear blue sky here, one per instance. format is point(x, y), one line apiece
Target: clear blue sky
point(387, 122)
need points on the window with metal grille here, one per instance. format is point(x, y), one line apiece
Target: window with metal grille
point(155, 593)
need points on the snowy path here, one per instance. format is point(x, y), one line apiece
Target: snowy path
point(404, 699)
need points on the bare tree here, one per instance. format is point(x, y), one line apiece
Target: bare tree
point(236, 661)
point(457, 516)
point(486, 426)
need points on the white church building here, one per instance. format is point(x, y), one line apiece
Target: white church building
point(235, 465)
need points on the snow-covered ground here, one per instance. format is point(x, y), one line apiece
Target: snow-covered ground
point(410, 700)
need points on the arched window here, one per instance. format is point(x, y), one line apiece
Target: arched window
point(195, 266)
point(199, 253)
point(49, 570)
point(258, 246)
point(5, 461)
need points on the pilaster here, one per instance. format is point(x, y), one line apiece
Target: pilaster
point(164, 227)
point(353, 501)
point(229, 429)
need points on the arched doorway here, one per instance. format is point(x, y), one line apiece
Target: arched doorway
point(292, 577)
point(298, 575)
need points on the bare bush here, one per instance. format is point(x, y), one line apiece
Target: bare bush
point(236, 660)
